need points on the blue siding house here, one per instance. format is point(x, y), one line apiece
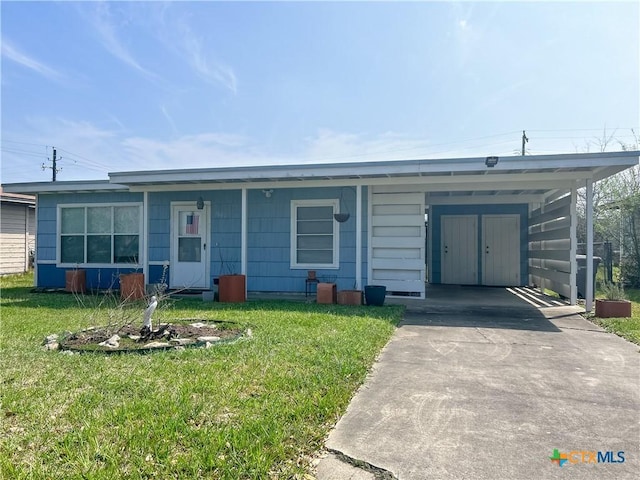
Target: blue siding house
point(397, 223)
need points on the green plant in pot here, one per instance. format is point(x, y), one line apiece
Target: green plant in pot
point(614, 303)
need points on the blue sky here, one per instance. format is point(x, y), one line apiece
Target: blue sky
point(118, 86)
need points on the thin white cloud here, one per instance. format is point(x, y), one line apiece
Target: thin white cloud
point(330, 146)
point(12, 53)
point(166, 115)
point(192, 151)
point(102, 20)
point(207, 67)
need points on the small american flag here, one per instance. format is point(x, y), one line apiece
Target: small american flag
point(192, 224)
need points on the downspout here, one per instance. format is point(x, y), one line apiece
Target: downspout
point(589, 214)
point(359, 237)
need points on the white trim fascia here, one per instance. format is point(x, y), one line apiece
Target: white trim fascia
point(63, 187)
point(46, 262)
point(426, 184)
point(409, 167)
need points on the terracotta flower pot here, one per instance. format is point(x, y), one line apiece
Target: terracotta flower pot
point(350, 297)
point(75, 281)
point(613, 308)
point(232, 288)
point(326, 293)
point(132, 286)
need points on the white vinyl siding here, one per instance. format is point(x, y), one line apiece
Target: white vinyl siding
point(314, 234)
point(99, 234)
point(397, 240)
point(17, 237)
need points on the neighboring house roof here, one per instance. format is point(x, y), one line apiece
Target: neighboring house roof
point(524, 176)
point(75, 186)
point(17, 199)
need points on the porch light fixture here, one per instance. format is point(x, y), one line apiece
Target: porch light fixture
point(268, 193)
point(200, 203)
point(491, 161)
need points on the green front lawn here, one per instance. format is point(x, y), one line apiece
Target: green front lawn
point(257, 408)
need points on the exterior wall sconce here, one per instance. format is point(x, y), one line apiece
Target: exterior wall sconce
point(491, 161)
point(268, 193)
point(200, 203)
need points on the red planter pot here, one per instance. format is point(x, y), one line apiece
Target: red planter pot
point(326, 293)
point(75, 281)
point(350, 297)
point(613, 308)
point(232, 288)
point(132, 286)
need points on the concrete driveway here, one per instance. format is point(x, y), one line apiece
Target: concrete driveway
point(478, 384)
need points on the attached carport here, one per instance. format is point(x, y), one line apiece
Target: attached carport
point(505, 221)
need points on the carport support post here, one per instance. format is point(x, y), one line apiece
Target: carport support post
point(145, 235)
point(358, 237)
point(243, 237)
point(589, 214)
point(573, 247)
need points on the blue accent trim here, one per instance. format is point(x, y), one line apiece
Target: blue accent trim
point(51, 276)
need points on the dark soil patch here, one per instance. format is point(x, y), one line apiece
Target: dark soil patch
point(185, 333)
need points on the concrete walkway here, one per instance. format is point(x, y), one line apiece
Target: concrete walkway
point(485, 386)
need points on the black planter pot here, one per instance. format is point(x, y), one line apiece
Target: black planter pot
point(374, 294)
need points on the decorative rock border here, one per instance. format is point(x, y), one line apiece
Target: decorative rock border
point(126, 338)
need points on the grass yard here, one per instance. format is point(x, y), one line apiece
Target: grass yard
point(628, 328)
point(257, 408)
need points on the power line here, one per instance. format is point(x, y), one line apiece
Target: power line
point(580, 129)
point(23, 152)
point(93, 162)
point(4, 140)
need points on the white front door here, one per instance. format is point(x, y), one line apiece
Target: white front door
point(501, 250)
point(189, 240)
point(459, 249)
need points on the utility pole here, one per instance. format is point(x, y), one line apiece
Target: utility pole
point(524, 140)
point(54, 168)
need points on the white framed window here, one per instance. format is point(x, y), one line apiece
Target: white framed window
point(314, 234)
point(99, 234)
